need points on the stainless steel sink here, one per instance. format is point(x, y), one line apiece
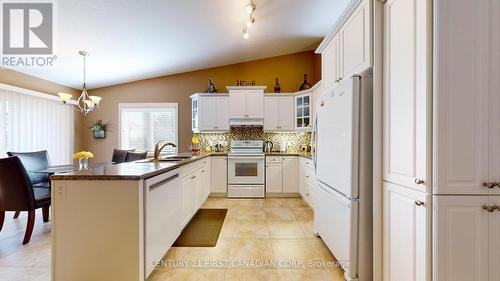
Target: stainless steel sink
point(175, 158)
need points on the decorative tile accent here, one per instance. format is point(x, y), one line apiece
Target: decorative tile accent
point(295, 140)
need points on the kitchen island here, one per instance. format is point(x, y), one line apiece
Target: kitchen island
point(116, 222)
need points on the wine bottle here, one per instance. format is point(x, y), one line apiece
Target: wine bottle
point(277, 87)
point(305, 85)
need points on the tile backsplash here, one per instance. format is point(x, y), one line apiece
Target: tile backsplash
point(295, 140)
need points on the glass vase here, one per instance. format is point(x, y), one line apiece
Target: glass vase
point(83, 163)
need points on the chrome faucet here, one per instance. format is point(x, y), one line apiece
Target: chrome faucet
point(159, 148)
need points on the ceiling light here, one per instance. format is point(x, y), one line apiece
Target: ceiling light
point(64, 97)
point(250, 22)
point(250, 8)
point(245, 33)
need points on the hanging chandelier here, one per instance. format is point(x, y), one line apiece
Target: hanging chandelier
point(250, 8)
point(85, 103)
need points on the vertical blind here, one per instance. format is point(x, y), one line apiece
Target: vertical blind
point(143, 125)
point(30, 123)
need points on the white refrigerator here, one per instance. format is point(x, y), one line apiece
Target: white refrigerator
point(343, 163)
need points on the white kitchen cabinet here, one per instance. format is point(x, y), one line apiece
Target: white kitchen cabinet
point(274, 175)
point(306, 180)
point(466, 100)
point(278, 113)
point(407, 94)
point(328, 64)
point(290, 174)
point(246, 102)
point(303, 112)
point(356, 41)
point(210, 113)
point(218, 174)
point(462, 233)
point(494, 239)
point(406, 234)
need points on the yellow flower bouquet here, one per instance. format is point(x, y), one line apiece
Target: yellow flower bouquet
point(83, 159)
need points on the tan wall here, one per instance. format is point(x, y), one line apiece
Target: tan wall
point(25, 81)
point(177, 88)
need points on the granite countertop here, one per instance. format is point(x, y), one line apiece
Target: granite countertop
point(142, 170)
point(277, 153)
point(127, 171)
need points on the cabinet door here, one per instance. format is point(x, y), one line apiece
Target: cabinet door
point(219, 174)
point(208, 119)
point(286, 113)
point(494, 240)
point(187, 185)
point(328, 74)
point(237, 104)
point(274, 183)
point(291, 174)
point(406, 234)
point(461, 238)
point(222, 113)
point(495, 97)
point(271, 114)
point(338, 59)
point(407, 92)
point(356, 42)
point(255, 103)
point(461, 98)
point(195, 115)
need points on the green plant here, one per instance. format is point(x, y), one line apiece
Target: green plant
point(99, 126)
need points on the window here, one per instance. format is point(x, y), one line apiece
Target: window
point(143, 125)
point(33, 121)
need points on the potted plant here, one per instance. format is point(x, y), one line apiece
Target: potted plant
point(99, 129)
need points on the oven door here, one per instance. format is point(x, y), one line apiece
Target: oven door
point(245, 169)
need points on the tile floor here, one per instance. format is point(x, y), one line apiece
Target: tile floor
point(262, 239)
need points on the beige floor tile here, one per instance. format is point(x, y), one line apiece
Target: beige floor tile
point(308, 228)
point(305, 214)
point(310, 275)
point(25, 273)
point(304, 250)
point(285, 229)
point(251, 229)
point(216, 203)
point(252, 203)
point(227, 228)
point(279, 214)
point(296, 203)
point(246, 213)
point(187, 275)
point(198, 257)
point(250, 250)
point(251, 275)
point(275, 202)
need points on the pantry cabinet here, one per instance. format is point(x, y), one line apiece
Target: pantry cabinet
point(278, 113)
point(406, 234)
point(407, 94)
point(210, 113)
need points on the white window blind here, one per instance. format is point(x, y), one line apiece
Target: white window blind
point(143, 125)
point(31, 123)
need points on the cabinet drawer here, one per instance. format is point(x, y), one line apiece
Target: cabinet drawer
point(274, 159)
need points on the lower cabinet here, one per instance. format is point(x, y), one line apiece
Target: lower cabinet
point(306, 180)
point(290, 174)
point(282, 174)
point(274, 175)
point(218, 167)
point(406, 234)
point(195, 185)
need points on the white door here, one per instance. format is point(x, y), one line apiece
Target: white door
point(336, 220)
point(219, 174)
point(338, 128)
point(356, 41)
point(271, 114)
point(290, 174)
point(222, 113)
point(255, 103)
point(274, 178)
point(406, 234)
point(237, 104)
point(407, 92)
point(462, 132)
point(286, 113)
point(460, 238)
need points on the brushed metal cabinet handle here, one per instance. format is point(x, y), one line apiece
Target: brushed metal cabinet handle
point(490, 209)
point(419, 181)
point(419, 203)
point(490, 184)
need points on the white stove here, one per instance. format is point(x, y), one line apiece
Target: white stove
point(245, 169)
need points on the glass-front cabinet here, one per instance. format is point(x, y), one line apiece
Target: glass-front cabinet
point(195, 115)
point(303, 112)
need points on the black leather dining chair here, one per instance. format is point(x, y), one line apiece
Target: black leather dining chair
point(120, 155)
point(33, 161)
point(18, 194)
point(134, 156)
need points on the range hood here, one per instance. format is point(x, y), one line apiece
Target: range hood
point(245, 122)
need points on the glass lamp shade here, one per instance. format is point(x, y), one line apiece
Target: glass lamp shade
point(95, 100)
point(64, 97)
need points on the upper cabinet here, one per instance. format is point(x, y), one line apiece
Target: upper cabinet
point(210, 112)
point(407, 94)
point(246, 102)
point(303, 112)
point(278, 113)
point(467, 97)
point(348, 49)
